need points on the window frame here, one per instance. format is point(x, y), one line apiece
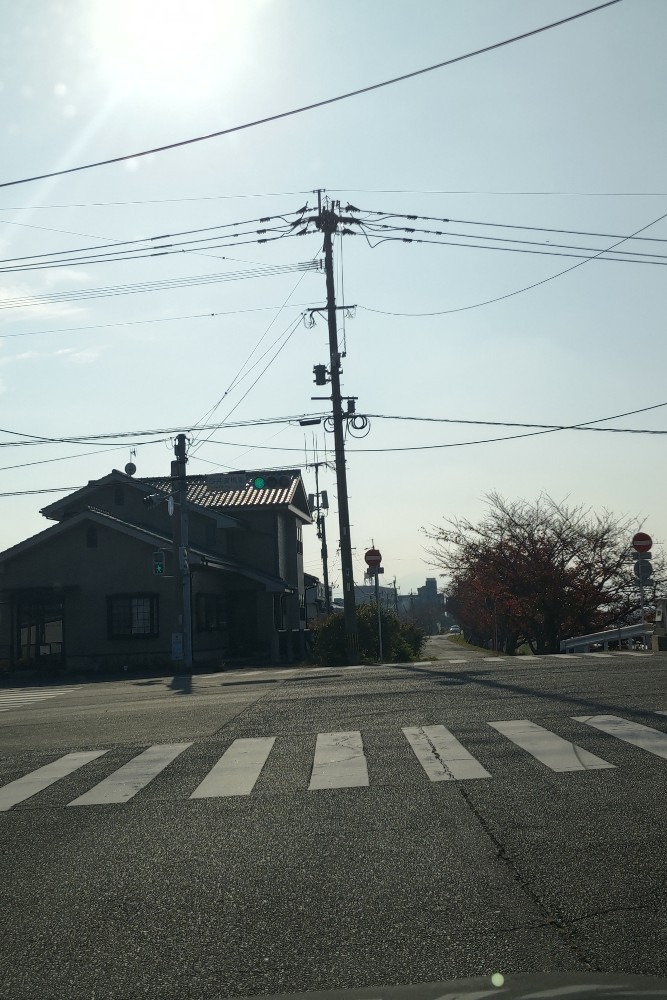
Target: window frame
point(153, 615)
point(203, 617)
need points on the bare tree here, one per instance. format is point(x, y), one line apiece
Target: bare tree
point(538, 572)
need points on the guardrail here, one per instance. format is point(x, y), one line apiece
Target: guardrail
point(583, 643)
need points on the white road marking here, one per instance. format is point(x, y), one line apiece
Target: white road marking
point(651, 740)
point(133, 776)
point(442, 756)
point(237, 770)
point(36, 781)
point(339, 761)
point(549, 748)
point(29, 696)
point(456, 661)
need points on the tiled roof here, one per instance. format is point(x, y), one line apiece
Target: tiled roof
point(204, 495)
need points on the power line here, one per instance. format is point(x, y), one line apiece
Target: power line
point(153, 239)
point(156, 319)
point(514, 240)
point(156, 201)
point(37, 439)
point(505, 423)
point(526, 288)
point(314, 105)
point(64, 458)
point(144, 253)
point(539, 253)
point(504, 225)
point(239, 375)
point(155, 286)
point(540, 194)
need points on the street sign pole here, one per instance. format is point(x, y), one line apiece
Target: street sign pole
point(373, 559)
point(641, 542)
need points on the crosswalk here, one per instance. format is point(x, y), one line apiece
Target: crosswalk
point(19, 698)
point(340, 760)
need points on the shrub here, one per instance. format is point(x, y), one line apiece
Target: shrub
point(401, 641)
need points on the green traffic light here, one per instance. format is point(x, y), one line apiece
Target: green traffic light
point(259, 482)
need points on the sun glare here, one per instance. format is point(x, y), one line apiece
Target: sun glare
point(166, 50)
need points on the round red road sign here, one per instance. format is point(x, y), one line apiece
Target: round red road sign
point(373, 557)
point(641, 542)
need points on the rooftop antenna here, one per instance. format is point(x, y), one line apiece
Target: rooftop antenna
point(131, 468)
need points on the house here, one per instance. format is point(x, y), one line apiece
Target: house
point(315, 601)
point(83, 595)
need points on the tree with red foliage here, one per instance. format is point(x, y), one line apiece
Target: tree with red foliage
point(539, 572)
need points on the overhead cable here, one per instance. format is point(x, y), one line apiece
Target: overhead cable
point(313, 105)
point(154, 286)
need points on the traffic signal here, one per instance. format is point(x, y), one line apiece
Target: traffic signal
point(158, 563)
point(270, 482)
point(320, 372)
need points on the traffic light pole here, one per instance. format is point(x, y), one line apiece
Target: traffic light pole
point(181, 542)
point(327, 222)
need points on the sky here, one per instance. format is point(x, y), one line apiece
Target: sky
point(563, 131)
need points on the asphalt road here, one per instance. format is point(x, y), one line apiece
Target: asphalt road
point(370, 827)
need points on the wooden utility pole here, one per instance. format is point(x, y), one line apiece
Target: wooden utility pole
point(327, 222)
point(181, 542)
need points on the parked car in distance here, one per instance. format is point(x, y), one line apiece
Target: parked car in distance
point(455, 630)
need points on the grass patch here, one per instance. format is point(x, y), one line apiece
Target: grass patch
point(460, 641)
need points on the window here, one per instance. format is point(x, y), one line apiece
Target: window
point(132, 615)
point(210, 612)
point(39, 628)
point(299, 538)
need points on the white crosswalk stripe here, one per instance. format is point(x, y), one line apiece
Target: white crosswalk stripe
point(28, 696)
point(237, 770)
point(133, 776)
point(442, 756)
point(651, 740)
point(549, 748)
point(339, 760)
point(36, 781)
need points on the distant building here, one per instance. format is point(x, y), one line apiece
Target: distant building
point(366, 595)
point(427, 606)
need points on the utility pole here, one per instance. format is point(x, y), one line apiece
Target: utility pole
point(181, 542)
point(327, 222)
point(322, 503)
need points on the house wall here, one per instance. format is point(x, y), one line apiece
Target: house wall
point(255, 544)
point(117, 565)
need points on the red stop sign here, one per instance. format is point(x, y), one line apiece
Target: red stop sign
point(642, 542)
point(373, 558)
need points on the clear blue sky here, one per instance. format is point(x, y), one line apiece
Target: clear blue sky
point(565, 130)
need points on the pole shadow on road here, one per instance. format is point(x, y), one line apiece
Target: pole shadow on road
point(181, 684)
point(485, 679)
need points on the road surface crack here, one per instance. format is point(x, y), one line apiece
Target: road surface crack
point(549, 918)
